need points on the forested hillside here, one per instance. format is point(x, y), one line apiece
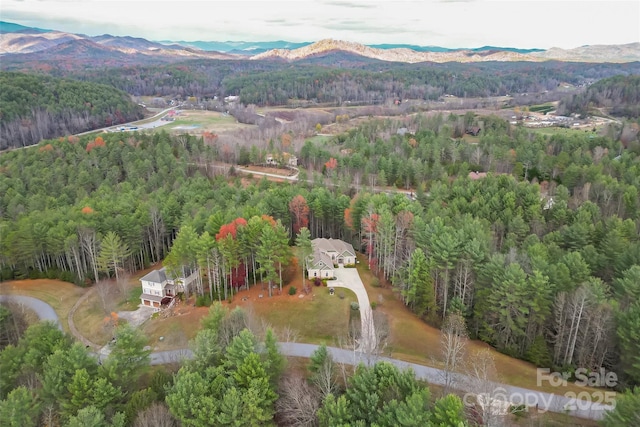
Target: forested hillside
point(34, 107)
point(541, 256)
point(618, 95)
point(275, 83)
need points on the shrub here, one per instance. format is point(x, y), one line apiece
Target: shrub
point(373, 305)
point(341, 295)
point(349, 266)
point(375, 282)
point(355, 306)
point(203, 301)
point(317, 281)
point(292, 290)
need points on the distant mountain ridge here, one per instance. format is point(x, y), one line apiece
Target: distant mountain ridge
point(39, 44)
point(10, 27)
point(403, 54)
point(253, 48)
point(25, 43)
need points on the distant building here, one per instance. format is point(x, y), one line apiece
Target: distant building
point(473, 130)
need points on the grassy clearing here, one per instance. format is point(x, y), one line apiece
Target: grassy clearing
point(92, 320)
point(59, 295)
point(561, 131)
point(133, 299)
point(413, 340)
point(542, 108)
point(318, 317)
point(319, 139)
point(201, 121)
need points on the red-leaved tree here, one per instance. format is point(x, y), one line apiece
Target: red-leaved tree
point(300, 211)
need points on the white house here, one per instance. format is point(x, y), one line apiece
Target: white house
point(160, 286)
point(326, 254)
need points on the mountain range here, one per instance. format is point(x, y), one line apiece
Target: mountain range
point(23, 44)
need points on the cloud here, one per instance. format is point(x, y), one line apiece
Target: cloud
point(449, 23)
point(348, 4)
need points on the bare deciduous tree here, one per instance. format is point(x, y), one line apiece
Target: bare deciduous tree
point(89, 244)
point(104, 292)
point(481, 378)
point(298, 402)
point(288, 334)
point(453, 341)
point(156, 415)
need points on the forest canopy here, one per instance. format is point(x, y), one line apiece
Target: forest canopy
point(34, 107)
point(618, 95)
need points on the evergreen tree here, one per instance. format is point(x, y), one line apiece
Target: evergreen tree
point(20, 409)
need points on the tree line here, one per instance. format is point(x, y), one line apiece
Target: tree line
point(237, 376)
point(275, 83)
point(618, 95)
point(549, 236)
point(33, 108)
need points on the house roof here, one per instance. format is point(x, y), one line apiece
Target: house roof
point(321, 258)
point(333, 245)
point(155, 276)
point(162, 275)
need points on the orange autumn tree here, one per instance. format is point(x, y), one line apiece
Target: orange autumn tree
point(98, 142)
point(230, 249)
point(300, 211)
point(348, 218)
point(370, 229)
point(209, 137)
point(331, 164)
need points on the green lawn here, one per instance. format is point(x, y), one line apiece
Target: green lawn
point(560, 131)
point(318, 317)
point(319, 139)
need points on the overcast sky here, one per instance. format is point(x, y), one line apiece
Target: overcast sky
point(448, 23)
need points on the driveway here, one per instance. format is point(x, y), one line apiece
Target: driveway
point(137, 317)
point(42, 309)
point(548, 402)
point(350, 279)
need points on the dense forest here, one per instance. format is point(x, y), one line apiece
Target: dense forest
point(68, 101)
point(276, 83)
point(33, 108)
point(552, 227)
point(236, 377)
point(618, 95)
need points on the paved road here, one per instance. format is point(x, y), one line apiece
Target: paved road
point(545, 401)
point(42, 309)
point(350, 279)
point(136, 123)
point(293, 177)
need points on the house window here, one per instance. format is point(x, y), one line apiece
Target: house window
point(315, 273)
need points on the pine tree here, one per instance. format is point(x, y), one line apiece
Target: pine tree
point(113, 252)
point(19, 409)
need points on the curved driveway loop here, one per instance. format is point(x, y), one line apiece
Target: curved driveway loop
point(42, 309)
point(350, 279)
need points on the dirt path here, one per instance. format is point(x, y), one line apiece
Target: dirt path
point(72, 324)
